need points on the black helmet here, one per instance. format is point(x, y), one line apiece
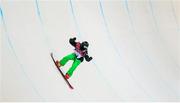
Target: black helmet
point(85, 44)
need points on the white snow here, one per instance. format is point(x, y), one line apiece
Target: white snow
point(134, 44)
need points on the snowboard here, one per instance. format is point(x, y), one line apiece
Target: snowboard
point(67, 82)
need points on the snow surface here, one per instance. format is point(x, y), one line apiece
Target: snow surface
point(135, 47)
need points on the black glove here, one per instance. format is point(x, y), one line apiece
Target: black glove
point(72, 41)
point(89, 59)
point(74, 38)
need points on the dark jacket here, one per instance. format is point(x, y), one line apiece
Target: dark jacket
point(83, 51)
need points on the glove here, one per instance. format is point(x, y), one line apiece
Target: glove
point(74, 38)
point(89, 59)
point(72, 41)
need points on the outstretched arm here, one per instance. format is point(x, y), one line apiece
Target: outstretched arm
point(72, 41)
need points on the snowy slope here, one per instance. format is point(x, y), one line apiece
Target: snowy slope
point(134, 44)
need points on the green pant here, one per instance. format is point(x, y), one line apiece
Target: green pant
point(74, 65)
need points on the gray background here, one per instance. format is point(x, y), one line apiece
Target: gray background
point(134, 43)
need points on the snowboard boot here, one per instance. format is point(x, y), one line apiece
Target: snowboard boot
point(67, 76)
point(58, 63)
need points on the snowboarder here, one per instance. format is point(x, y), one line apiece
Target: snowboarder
point(80, 52)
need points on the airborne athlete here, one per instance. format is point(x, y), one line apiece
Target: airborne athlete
point(80, 52)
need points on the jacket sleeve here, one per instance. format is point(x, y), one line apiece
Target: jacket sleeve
point(72, 41)
point(88, 58)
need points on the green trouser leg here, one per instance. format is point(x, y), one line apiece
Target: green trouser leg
point(74, 65)
point(67, 58)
